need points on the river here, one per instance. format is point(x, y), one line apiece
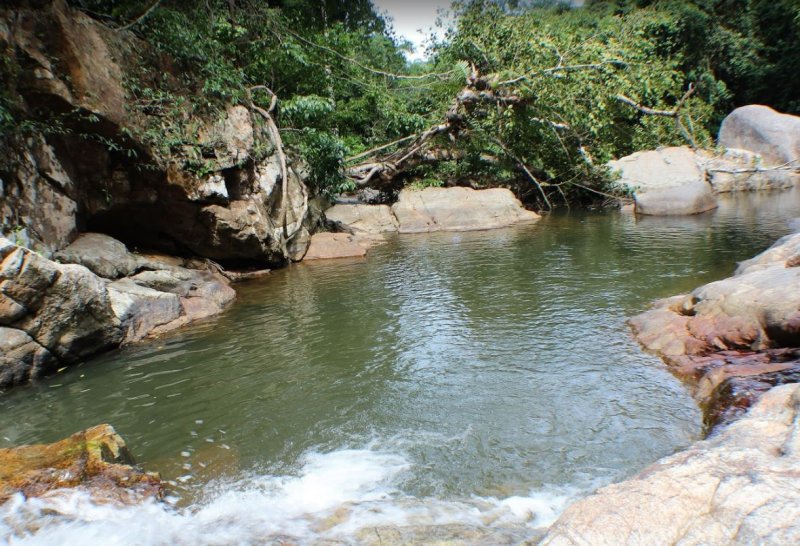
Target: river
point(480, 380)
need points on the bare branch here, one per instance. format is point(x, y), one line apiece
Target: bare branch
point(141, 18)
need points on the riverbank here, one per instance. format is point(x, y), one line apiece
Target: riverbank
point(734, 343)
point(443, 379)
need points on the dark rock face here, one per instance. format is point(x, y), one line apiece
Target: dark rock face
point(96, 460)
point(74, 71)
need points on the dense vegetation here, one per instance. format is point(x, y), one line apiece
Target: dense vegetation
point(531, 95)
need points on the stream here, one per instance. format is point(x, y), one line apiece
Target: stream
point(477, 380)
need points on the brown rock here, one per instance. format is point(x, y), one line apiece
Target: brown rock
point(458, 209)
point(96, 459)
point(326, 246)
point(360, 217)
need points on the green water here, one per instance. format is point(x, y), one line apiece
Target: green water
point(493, 364)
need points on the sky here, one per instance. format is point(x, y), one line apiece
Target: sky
point(413, 19)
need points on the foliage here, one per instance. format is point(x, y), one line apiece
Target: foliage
point(345, 88)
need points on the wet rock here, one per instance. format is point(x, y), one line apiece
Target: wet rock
point(103, 255)
point(326, 246)
point(732, 339)
point(360, 217)
point(53, 315)
point(458, 209)
point(21, 358)
point(140, 309)
point(737, 487)
point(64, 308)
point(665, 182)
point(760, 129)
point(96, 459)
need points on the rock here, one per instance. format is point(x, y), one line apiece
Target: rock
point(737, 487)
point(103, 255)
point(325, 246)
point(53, 315)
point(37, 203)
point(667, 181)
point(219, 196)
point(64, 308)
point(21, 358)
point(368, 218)
point(458, 209)
point(760, 129)
point(732, 339)
point(96, 460)
point(740, 170)
point(140, 309)
point(154, 302)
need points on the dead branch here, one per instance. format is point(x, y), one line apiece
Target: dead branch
point(142, 17)
point(525, 169)
point(277, 141)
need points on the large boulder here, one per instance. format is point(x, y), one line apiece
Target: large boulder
point(103, 255)
point(665, 182)
point(738, 487)
point(458, 209)
point(760, 129)
point(65, 309)
point(96, 460)
point(361, 217)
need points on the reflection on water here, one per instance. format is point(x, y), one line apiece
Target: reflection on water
point(457, 377)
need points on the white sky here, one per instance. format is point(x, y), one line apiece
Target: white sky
point(413, 19)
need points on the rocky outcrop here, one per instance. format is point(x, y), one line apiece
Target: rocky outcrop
point(54, 314)
point(733, 339)
point(65, 310)
point(458, 209)
point(775, 137)
point(96, 460)
point(737, 487)
point(667, 181)
point(113, 165)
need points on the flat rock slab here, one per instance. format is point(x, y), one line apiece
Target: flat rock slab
point(738, 487)
point(360, 217)
point(327, 246)
point(459, 209)
point(666, 182)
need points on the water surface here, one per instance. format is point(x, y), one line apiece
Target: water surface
point(480, 378)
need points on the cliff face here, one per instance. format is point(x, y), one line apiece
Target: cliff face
point(110, 151)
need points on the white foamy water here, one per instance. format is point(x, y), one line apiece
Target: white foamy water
point(334, 497)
